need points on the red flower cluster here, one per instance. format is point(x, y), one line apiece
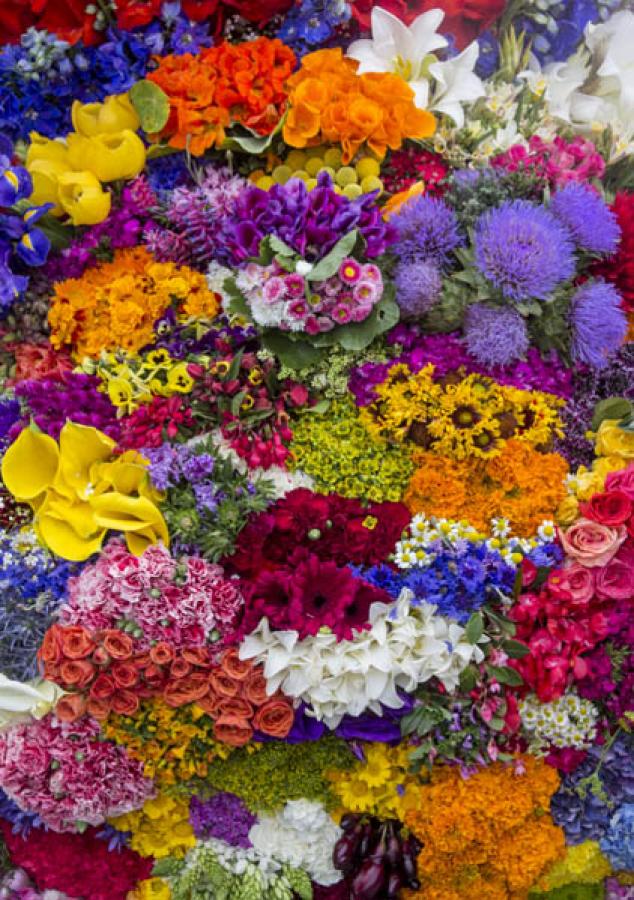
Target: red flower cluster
point(155, 422)
point(79, 865)
point(331, 527)
point(67, 19)
point(411, 164)
point(104, 675)
point(619, 269)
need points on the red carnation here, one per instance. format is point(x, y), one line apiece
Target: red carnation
point(619, 269)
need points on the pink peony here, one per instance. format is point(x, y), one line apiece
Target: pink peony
point(591, 543)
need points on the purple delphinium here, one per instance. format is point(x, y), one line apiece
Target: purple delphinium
point(51, 402)
point(224, 816)
point(523, 250)
point(587, 217)
point(311, 222)
point(495, 335)
point(599, 325)
point(427, 230)
point(418, 287)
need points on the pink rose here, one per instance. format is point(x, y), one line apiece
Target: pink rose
point(615, 581)
point(576, 580)
point(622, 480)
point(591, 543)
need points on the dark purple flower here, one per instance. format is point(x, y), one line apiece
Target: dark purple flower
point(51, 402)
point(223, 816)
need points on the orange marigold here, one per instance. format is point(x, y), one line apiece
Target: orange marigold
point(520, 484)
point(220, 86)
point(489, 836)
point(330, 103)
point(115, 304)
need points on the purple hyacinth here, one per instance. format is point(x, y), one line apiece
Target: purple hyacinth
point(587, 217)
point(523, 250)
point(223, 816)
point(428, 230)
point(418, 287)
point(495, 335)
point(599, 325)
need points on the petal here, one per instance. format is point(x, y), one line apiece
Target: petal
point(30, 464)
point(121, 513)
point(80, 447)
point(63, 540)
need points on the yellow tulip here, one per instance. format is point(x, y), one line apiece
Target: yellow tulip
point(45, 177)
point(111, 156)
point(43, 148)
point(83, 198)
point(114, 114)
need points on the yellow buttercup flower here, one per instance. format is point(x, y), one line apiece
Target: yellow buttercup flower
point(115, 114)
point(107, 156)
point(78, 491)
point(82, 198)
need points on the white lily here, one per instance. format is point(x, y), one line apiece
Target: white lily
point(456, 83)
point(404, 51)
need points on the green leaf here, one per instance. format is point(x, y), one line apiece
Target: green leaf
point(496, 724)
point(475, 628)
point(151, 104)
point(59, 235)
point(278, 246)
point(610, 408)
point(328, 266)
point(515, 649)
point(360, 335)
point(236, 402)
point(293, 354)
point(238, 305)
point(506, 675)
point(467, 679)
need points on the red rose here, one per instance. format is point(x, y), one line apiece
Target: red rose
point(98, 709)
point(232, 730)
point(619, 268)
point(102, 687)
point(610, 508)
point(132, 13)
point(50, 652)
point(125, 703)
point(198, 10)
point(125, 674)
point(180, 668)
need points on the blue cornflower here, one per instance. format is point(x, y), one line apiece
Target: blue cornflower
point(523, 250)
point(599, 325)
point(428, 231)
point(587, 216)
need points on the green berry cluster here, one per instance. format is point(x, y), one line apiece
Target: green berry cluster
point(357, 178)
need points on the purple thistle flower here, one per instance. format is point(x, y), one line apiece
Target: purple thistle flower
point(523, 250)
point(599, 325)
point(428, 230)
point(589, 219)
point(495, 335)
point(418, 287)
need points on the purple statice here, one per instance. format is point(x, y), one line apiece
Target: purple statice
point(523, 250)
point(586, 215)
point(418, 287)
point(427, 231)
point(599, 325)
point(311, 222)
point(224, 816)
point(51, 402)
point(495, 335)
point(584, 813)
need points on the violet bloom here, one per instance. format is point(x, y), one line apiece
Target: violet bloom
point(599, 325)
point(593, 225)
point(51, 402)
point(427, 230)
point(495, 335)
point(224, 816)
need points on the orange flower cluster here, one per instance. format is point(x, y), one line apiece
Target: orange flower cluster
point(330, 103)
point(520, 484)
point(489, 836)
point(115, 305)
point(221, 86)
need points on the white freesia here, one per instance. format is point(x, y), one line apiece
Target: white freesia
point(303, 835)
point(456, 83)
point(20, 701)
point(405, 646)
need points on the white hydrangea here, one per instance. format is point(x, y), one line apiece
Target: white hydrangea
point(405, 646)
point(566, 722)
point(303, 835)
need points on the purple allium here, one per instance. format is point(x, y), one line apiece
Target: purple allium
point(418, 286)
point(223, 816)
point(428, 230)
point(495, 335)
point(587, 216)
point(599, 325)
point(523, 250)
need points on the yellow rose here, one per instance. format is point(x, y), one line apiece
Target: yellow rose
point(612, 440)
point(83, 198)
point(114, 114)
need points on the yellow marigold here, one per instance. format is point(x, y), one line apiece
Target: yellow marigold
point(583, 863)
point(492, 829)
point(330, 103)
point(161, 828)
point(381, 785)
point(115, 304)
point(520, 484)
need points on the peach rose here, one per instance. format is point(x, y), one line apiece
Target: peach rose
point(234, 667)
point(255, 688)
point(125, 703)
point(98, 708)
point(76, 642)
point(161, 654)
point(232, 730)
point(118, 644)
point(70, 707)
point(77, 672)
point(197, 656)
point(210, 704)
point(274, 718)
point(222, 685)
point(180, 668)
point(591, 543)
point(186, 690)
point(50, 650)
point(125, 674)
point(235, 706)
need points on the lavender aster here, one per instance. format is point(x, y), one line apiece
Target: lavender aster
point(428, 230)
point(224, 816)
point(587, 216)
point(494, 335)
point(418, 286)
point(523, 250)
point(599, 325)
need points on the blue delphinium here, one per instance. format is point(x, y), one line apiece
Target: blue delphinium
point(495, 335)
point(312, 23)
point(618, 841)
point(22, 822)
point(489, 55)
point(174, 33)
point(428, 231)
point(523, 250)
point(555, 27)
point(587, 216)
point(599, 325)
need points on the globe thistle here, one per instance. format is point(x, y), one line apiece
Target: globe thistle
point(589, 219)
point(418, 287)
point(428, 230)
point(523, 250)
point(599, 325)
point(495, 335)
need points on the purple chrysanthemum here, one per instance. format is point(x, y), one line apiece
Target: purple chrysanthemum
point(418, 287)
point(599, 325)
point(523, 250)
point(428, 230)
point(587, 216)
point(495, 335)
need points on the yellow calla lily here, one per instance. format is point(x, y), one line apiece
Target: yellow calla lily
point(114, 114)
point(80, 448)
point(62, 539)
point(30, 464)
point(113, 156)
point(82, 198)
